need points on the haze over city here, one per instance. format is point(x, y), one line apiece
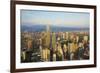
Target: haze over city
point(52, 18)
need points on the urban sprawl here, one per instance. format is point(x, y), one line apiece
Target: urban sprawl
point(48, 46)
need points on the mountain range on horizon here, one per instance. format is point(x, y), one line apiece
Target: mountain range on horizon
point(39, 28)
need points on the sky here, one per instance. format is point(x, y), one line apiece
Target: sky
point(56, 18)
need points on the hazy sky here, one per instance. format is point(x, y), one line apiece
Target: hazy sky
point(68, 19)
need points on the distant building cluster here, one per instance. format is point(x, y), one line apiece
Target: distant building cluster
point(54, 46)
